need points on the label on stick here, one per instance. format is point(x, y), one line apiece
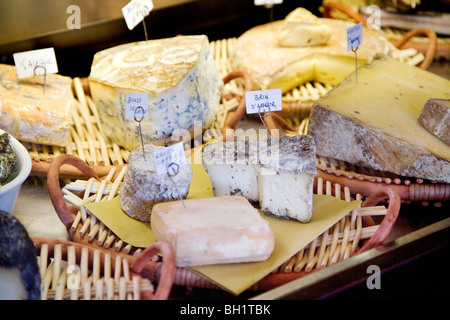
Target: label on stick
point(135, 11)
point(35, 62)
point(134, 101)
point(167, 156)
point(263, 101)
point(354, 36)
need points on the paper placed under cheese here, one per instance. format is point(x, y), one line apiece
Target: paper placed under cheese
point(290, 236)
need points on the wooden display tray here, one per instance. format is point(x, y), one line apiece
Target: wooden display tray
point(352, 235)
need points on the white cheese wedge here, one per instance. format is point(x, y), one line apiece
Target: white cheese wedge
point(277, 174)
point(143, 187)
point(213, 231)
point(271, 65)
point(31, 115)
point(180, 76)
point(302, 29)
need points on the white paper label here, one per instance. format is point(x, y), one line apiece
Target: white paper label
point(354, 36)
point(31, 63)
point(134, 104)
point(166, 158)
point(263, 101)
point(267, 2)
point(135, 11)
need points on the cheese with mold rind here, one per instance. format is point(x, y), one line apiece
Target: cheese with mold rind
point(30, 114)
point(143, 187)
point(271, 65)
point(277, 174)
point(180, 76)
point(373, 123)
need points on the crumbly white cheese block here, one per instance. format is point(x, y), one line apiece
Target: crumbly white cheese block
point(180, 76)
point(214, 230)
point(143, 187)
point(435, 117)
point(286, 178)
point(278, 173)
point(302, 29)
point(238, 166)
point(29, 114)
point(272, 66)
point(373, 123)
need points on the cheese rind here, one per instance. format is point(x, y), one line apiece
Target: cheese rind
point(358, 124)
point(180, 76)
point(278, 174)
point(31, 115)
point(143, 187)
point(435, 117)
point(213, 231)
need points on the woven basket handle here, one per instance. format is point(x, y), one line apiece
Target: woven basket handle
point(432, 48)
point(167, 269)
point(389, 220)
point(54, 187)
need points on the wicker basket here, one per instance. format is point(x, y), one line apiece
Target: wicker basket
point(74, 271)
point(355, 233)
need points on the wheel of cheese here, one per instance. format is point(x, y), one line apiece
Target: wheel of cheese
point(271, 65)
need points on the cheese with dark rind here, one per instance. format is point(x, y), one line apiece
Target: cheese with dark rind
point(373, 123)
point(277, 174)
point(180, 76)
point(29, 114)
point(214, 230)
point(17, 260)
point(143, 187)
point(435, 117)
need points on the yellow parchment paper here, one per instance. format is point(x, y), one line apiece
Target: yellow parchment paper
point(290, 236)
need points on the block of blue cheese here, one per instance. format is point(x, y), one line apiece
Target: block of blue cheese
point(277, 174)
point(143, 187)
point(180, 76)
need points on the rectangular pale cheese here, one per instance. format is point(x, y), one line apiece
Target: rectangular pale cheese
point(29, 114)
point(213, 231)
point(373, 123)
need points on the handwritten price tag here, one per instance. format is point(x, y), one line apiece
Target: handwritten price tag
point(134, 101)
point(354, 36)
point(165, 157)
point(267, 2)
point(135, 11)
point(263, 101)
point(26, 62)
